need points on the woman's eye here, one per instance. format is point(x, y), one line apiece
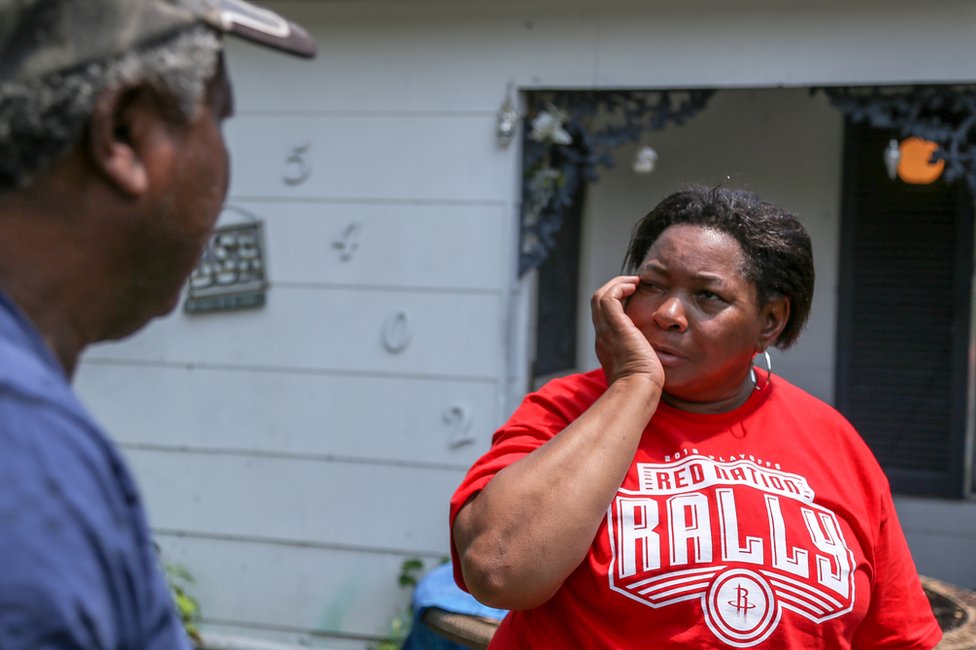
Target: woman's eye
point(650, 286)
point(708, 295)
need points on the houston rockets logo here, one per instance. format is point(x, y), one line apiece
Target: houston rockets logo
point(744, 539)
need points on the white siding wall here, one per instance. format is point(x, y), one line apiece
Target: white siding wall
point(290, 461)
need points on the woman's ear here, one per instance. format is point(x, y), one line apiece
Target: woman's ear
point(774, 315)
point(116, 138)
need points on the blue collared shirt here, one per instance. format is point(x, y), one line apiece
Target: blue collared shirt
point(77, 564)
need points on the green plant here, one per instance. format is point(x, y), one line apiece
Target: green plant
point(409, 572)
point(400, 624)
point(187, 607)
point(178, 577)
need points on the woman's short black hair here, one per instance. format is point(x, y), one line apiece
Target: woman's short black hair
point(779, 257)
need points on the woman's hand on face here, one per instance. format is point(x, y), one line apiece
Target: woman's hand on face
point(622, 349)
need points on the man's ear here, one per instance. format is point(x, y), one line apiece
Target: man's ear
point(775, 314)
point(116, 137)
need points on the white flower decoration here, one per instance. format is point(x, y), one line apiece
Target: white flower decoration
point(548, 126)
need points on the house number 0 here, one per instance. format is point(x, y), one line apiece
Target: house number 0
point(396, 333)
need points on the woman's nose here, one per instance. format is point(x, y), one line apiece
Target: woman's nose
point(671, 314)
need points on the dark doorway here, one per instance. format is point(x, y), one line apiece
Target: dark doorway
point(904, 318)
point(557, 298)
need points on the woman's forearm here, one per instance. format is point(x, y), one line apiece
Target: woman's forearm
point(532, 525)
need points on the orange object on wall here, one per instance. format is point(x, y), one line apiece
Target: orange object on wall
point(915, 165)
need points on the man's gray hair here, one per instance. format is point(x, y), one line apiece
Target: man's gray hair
point(41, 120)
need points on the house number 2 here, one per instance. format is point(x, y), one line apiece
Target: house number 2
point(458, 422)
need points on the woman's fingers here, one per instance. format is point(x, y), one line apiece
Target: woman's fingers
point(608, 302)
point(621, 348)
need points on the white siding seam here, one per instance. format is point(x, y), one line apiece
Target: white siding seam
point(316, 633)
point(364, 200)
point(455, 113)
point(294, 284)
point(936, 532)
point(224, 642)
point(303, 543)
point(378, 374)
point(296, 456)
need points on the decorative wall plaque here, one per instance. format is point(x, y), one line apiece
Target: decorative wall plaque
point(231, 271)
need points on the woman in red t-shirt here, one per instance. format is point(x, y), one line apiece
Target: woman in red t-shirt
point(675, 497)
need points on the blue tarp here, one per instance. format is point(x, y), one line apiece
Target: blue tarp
point(437, 589)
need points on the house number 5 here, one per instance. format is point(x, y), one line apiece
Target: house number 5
point(297, 165)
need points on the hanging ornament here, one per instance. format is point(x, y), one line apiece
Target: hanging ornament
point(507, 120)
point(892, 154)
point(645, 160)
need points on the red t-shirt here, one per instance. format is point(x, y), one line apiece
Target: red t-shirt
point(771, 525)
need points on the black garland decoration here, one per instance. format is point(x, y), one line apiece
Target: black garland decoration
point(558, 158)
point(945, 115)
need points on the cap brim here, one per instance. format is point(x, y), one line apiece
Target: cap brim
point(262, 27)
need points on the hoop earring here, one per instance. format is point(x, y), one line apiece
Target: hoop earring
point(769, 370)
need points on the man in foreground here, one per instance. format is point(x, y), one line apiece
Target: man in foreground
point(113, 170)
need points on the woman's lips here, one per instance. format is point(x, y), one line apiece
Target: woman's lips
point(668, 357)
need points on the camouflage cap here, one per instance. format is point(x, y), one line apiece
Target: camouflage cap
point(38, 37)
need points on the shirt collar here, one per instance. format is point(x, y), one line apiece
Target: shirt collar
point(17, 328)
